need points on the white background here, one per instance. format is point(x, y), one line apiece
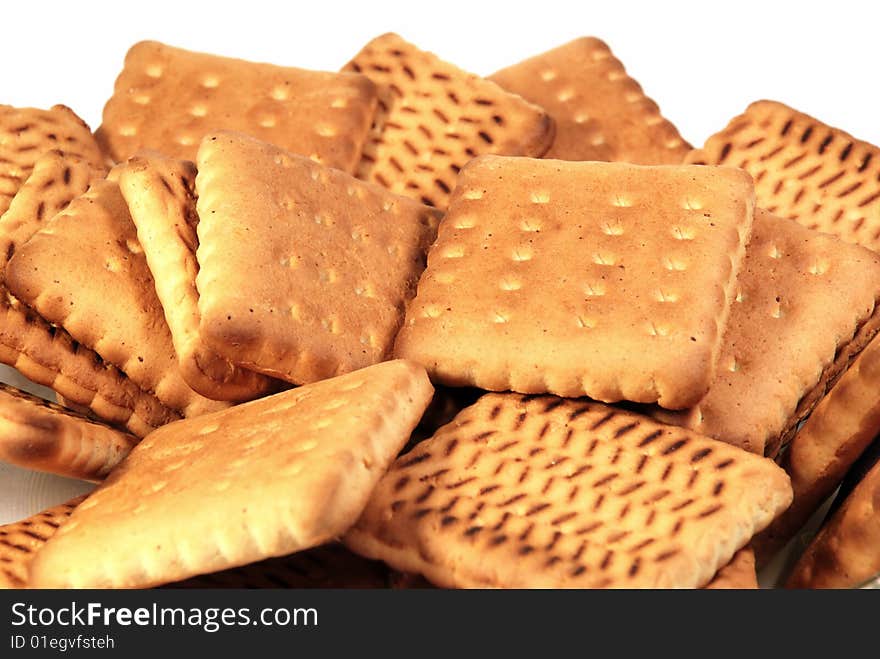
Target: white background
point(703, 62)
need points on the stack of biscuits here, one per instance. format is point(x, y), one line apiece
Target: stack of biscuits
point(404, 326)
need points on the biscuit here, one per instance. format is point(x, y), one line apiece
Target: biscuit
point(545, 492)
point(845, 553)
point(46, 353)
point(266, 478)
point(601, 279)
point(433, 118)
point(327, 566)
point(822, 451)
point(37, 434)
point(304, 271)
point(167, 99)
point(600, 112)
point(20, 541)
point(739, 574)
point(160, 193)
point(805, 170)
point(805, 305)
point(27, 133)
point(85, 271)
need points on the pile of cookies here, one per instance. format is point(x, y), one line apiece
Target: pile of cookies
point(402, 326)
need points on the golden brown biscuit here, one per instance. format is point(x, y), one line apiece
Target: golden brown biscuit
point(847, 550)
point(167, 99)
point(160, 193)
point(601, 279)
point(304, 271)
point(805, 306)
point(600, 112)
point(46, 353)
point(838, 431)
point(267, 478)
point(806, 170)
point(37, 434)
point(739, 574)
point(433, 117)
point(27, 133)
point(85, 271)
point(327, 566)
point(20, 541)
point(546, 492)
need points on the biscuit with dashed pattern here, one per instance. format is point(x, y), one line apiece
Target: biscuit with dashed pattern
point(46, 353)
point(167, 99)
point(433, 117)
point(86, 272)
point(608, 280)
point(20, 541)
point(266, 478)
point(546, 492)
point(804, 169)
point(27, 133)
point(37, 434)
point(304, 271)
point(805, 307)
point(600, 112)
point(160, 193)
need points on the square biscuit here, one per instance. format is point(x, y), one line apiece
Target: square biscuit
point(168, 98)
point(544, 492)
point(266, 478)
point(433, 117)
point(304, 271)
point(805, 305)
point(601, 113)
point(608, 280)
point(804, 170)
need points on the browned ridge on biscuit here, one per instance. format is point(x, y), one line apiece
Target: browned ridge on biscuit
point(37, 434)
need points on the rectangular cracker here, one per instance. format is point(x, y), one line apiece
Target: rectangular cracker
point(37, 434)
point(607, 280)
point(600, 112)
point(806, 304)
point(545, 492)
point(804, 169)
point(304, 270)
point(85, 271)
point(267, 478)
point(842, 425)
point(20, 541)
point(433, 117)
point(845, 553)
point(46, 353)
point(167, 99)
point(160, 193)
point(28, 133)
